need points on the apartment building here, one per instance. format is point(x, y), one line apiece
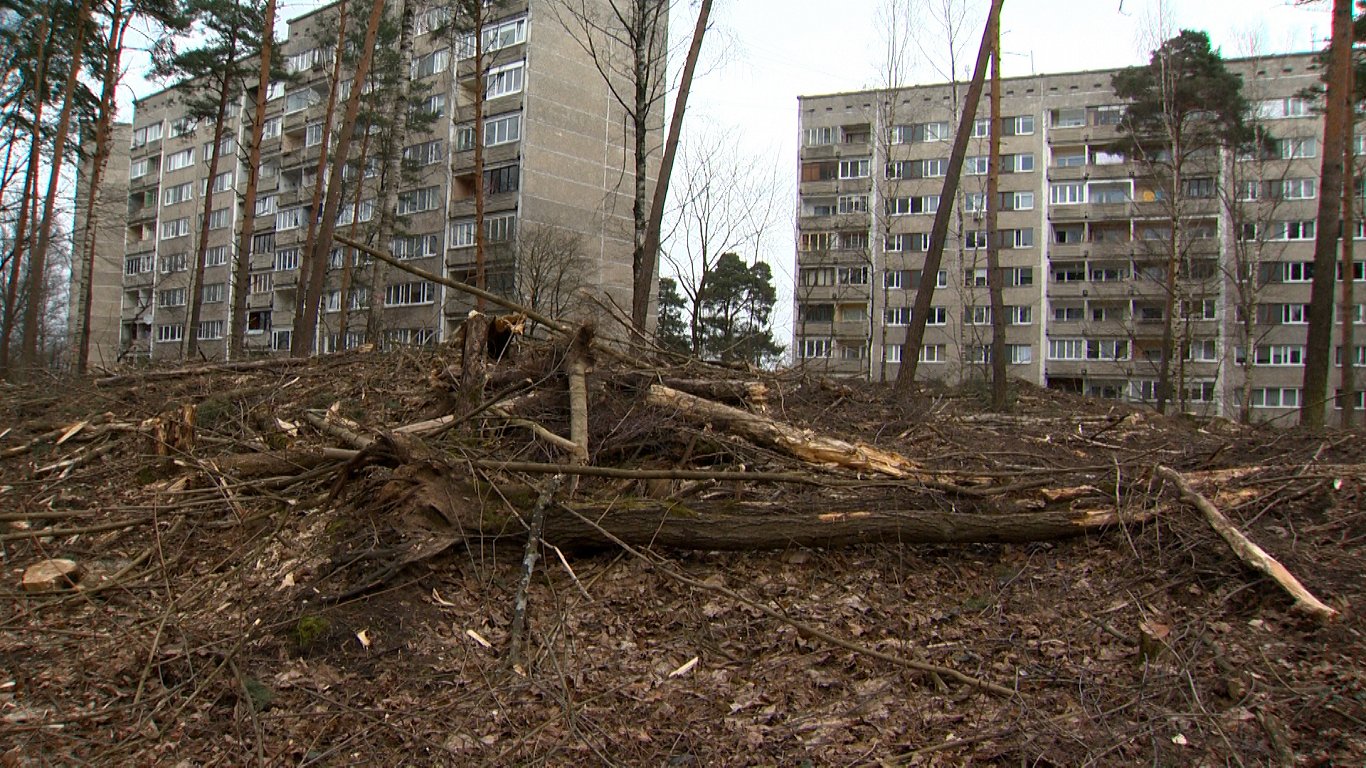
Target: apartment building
point(554, 146)
point(107, 231)
point(1085, 233)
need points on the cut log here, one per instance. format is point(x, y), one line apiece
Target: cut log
point(804, 444)
point(435, 492)
point(1247, 551)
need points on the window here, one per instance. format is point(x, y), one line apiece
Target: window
point(417, 246)
point(939, 316)
point(168, 333)
point(360, 299)
point(301, 61)
point(1276, 397)
point(911, 242)
point(975, 239)
point(226, 146)
point(1359, 359)
point(819, 137)
point(1064, 313)
point(1068, 118)
point(1019, 315)
point(932, 353)
point(1203, 350)
point(504, 35)
point(181, 159)
point(502, 130)
point(891, 353)
point(1069, 159)
point(286, 259)
point(271, 127)
point(505, 80)
point(1292, 230)
point(1018, 276)
point(1110, 114)
point(500, 229)
point(171, 297)
point(1294, 314)
point(1275, 109)
point(261, 282)
point(1109, 193)
point(854, 169)
point(1298, 189)
point(1199, 309)
point(1297, 271)
point(178, 193)
point(977, 315)
point(853, 204)
point(175, 228)
point(182, 126)
point(418, 200)
point(350, 212)
point(1340, 397)
point(146, 135)
point(210, 329)
point(817, 313)
point(265, 205)
point(431, 64)
point(140, 168)
point(1247, 190)
point(1067, 193)
point(313, 134)
point(263, 243)
point(1017, 238)
point(1017, 201)
point(975, 202)
point(280, 340)
point(1020, 354)
point(1107, 349)
point(1022, 125)
point(897, 316)
point(851, 275)
point(975, 278)
point(1067, 349)
point(301, 100)
point(1021, 163)
point(911, 205)
point(975, 165)
point(219, 219)
point(290, 218)
point(934, 168)
point(813, 277)
point(430, 20)
point(423, 154)
point(462, 233)
point(1108, 274)
point(258, 321)
point(1291, 149)
point(1069, 272)
point(1280, 354)
point(433, 106)
point(221, 183)
point(811, 348)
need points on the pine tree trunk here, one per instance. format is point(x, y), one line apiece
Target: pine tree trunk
point(640, 309)
point(1318, 347)
point(241, 271)
point(196, 291)
point(302, 342)
point(304, 338)
point(1347, 400)
point(995, 277)
point(113, 53)
point(35, 301)
point(481, 68)
point(392, 173)
point(924, 295)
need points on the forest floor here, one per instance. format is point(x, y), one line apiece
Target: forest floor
point(248, 596)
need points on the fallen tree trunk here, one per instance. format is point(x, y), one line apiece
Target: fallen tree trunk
point(433, 492)
point(801, 443)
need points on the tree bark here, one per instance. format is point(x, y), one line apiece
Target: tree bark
point(924, 295)
point(37, 267)
point(640, 301)
point(196, 290)
point(1347, 400)
point(304, 338)
point(118, 24)
point(735, 526)
point(241, 274)
point(995, 278)
point(1319, 344)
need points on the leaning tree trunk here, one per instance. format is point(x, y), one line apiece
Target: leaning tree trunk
point(924, 295)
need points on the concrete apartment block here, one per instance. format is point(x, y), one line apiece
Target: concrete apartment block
point(1085, 237)
point(557, 187)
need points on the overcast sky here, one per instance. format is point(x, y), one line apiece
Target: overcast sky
point(763, 54)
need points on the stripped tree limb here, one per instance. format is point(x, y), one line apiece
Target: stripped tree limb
point(1247, 551)
point(801, 443)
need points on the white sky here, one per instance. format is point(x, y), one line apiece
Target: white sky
point(762, 54)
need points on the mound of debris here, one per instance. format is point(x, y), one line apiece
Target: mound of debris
point(514, 550)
